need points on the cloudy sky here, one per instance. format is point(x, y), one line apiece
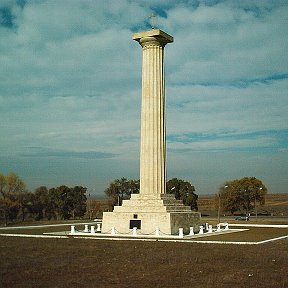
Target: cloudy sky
point(70, 88)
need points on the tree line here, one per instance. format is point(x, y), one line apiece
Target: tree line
point(121, 189)
point(56, 203)
point(238, 195)
point(62, 203)
point(241, 195)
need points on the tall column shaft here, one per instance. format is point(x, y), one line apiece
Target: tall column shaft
point(153, 134)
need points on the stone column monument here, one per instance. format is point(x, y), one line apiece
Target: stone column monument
point(153, 146)
point(152, 209)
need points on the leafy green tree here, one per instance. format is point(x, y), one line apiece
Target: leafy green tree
point(183, 190)
point(66, 203)
point(58, 203)
point(11, 189)
point(78, 201)
point(2, 184)
point(25, 200)
point(53, 204)
point(11, 184)
point(40, 202)
point(242, 194)
point(9, 207)
point(121, 189)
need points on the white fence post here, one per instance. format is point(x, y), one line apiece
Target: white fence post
point(157, 232)
point(201, 231)
point(72, 230)
point(191, 231)
point(210, 229)
point(181, 235)
point(86, 228)
point(92, 229)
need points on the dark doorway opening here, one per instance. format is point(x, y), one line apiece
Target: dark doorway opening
point(135, 223)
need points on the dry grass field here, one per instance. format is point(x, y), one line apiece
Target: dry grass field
point(30, 262)
point(276, 205)
point(71, 262)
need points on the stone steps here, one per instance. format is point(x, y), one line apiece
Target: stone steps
point(177, 209)
point(166, 203)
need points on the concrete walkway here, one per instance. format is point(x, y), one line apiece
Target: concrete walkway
point(43, 226)
point(98, 236)
point(259, 225)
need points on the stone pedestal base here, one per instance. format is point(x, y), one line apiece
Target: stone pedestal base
point(148, 213)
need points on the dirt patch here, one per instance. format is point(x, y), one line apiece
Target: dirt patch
point(252, 234)
point(99, 263)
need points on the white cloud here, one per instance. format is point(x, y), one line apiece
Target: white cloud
point(221, 44)
point(215, 109)
point(220, 145)
point(70, 81)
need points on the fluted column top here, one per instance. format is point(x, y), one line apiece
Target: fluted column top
point(154, 36)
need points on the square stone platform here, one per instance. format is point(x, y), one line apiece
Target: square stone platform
point(148, 213)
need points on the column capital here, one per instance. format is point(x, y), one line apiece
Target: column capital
point(152, 37)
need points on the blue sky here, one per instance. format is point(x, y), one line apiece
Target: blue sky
point(70, 88)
